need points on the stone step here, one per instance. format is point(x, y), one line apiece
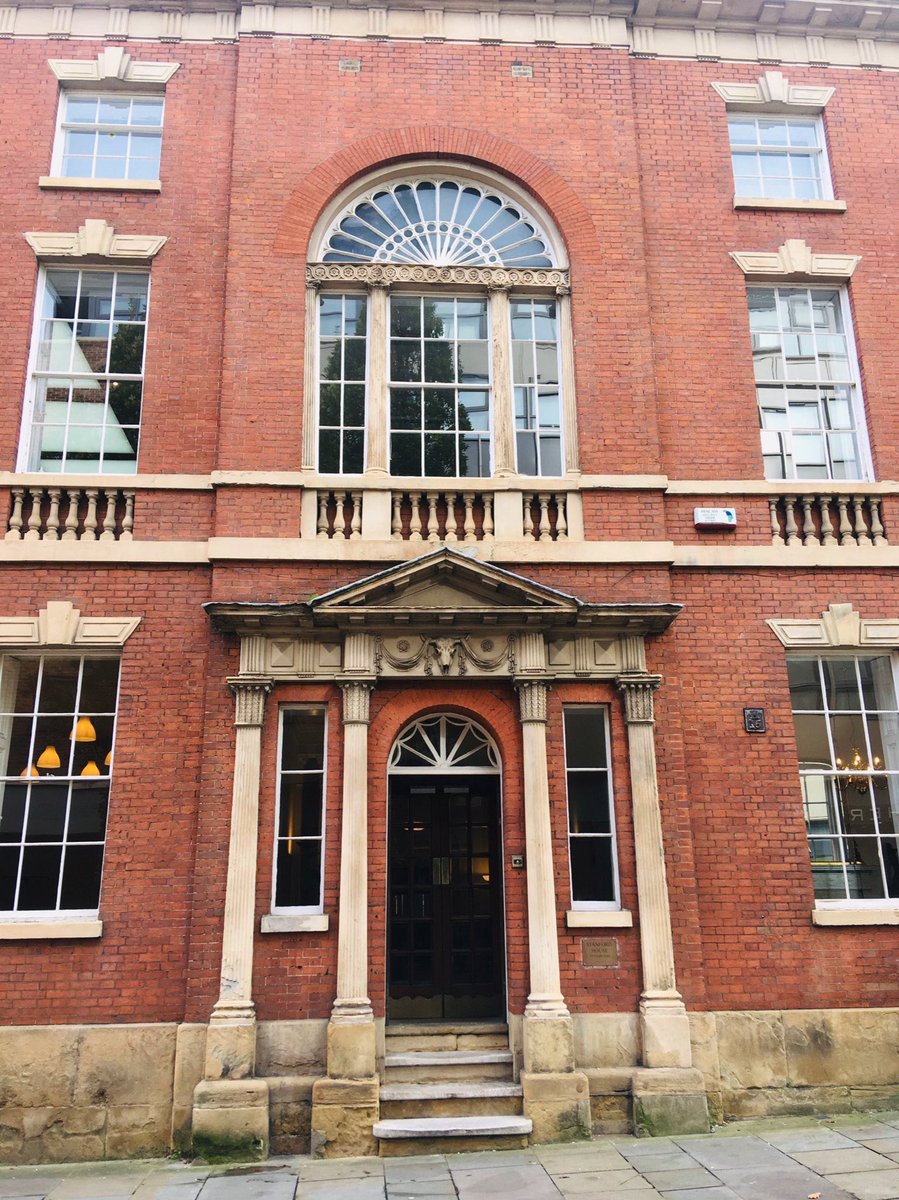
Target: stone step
point(435, 1065)
point(408, 1028)
point(450, 1099)
point(397, 1043)
point(444, 1135)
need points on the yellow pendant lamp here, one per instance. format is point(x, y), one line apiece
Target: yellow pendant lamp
point(91, 769)
point(30, 772)
point(49, 759)
point(84, 730)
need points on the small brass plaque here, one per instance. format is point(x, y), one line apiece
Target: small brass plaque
point(599, 952)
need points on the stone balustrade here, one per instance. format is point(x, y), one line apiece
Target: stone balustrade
point(48, 514)
point(847, 520)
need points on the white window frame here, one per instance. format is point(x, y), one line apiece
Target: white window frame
point(819, 152)
point(847, 903)
point(66, 916)
point(603, 712)
point(300, 909)
point(62, 126)
point(26, 448)
point(857, 400)
point(366, 383)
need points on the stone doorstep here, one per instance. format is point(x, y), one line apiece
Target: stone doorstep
point(448, 1058)
point(448, 1127)
point(449, 1090)
point(415, 1028)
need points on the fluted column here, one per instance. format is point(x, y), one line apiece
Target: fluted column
point(310, 380)
point(666, 1033)
point(230, 1046)
point(351, 1040)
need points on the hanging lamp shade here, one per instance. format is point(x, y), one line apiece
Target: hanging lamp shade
point(84, 730)
point(108, 759)
point(29, 772)
point(91, 769)
point(49, 759)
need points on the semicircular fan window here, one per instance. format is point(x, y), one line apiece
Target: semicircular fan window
point(444, 743)
point(437, 223)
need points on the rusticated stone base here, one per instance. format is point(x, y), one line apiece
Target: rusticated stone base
point(230, 1119)
point(343, 1114)
point(559, 1106)
point(669, 1100)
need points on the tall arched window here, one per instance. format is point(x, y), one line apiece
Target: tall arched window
point(439, 327)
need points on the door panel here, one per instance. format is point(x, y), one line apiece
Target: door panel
point(445, 923)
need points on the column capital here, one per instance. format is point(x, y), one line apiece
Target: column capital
point(356, 702)
point(250, 694)
point(532, 696)
point(637, 689)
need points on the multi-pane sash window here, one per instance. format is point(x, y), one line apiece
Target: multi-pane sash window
point(535, 377)
point(439, 386)
point(341, 391)
point(779, 158)
point(847, 738)
point(591, 822)
point(301, 777)
point(806, 384)
point(88, 371)
point(57, 720)
point(109, 137)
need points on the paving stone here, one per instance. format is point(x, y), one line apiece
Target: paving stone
point(570, 1164)
point(792, 1140)
point(672, 1160)
point(839, 1162)
point(338, 1189)
point(693, 1177)
point(710, 1193)
point(97, 1186)
point(870, 1185)
point(888, 1145)
point(637, 1146)
point(515, 1182)
point(168, 1191)
point(261, 1186)
point(475, 1159)
point(421, 1189)
point(778, 1183)
point(734, 1152)
point(586, 1183)
point(20, 1188)
point(638, 1190)
point(343, 1168)
point(864, 1132)
point(432, 1168)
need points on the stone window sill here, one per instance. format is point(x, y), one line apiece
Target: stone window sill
point(855, 916)
point(296, 923)
point(790, 205)
point(584, 919)
point(45, 930)
point(100, 185)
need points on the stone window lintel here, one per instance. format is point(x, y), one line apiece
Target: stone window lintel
point(772, 92)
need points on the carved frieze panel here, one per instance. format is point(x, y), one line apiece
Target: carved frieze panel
point(455, 655)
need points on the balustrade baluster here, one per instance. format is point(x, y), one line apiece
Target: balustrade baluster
point(416, 525)
point(776, 537)
point(826, 527)
point(52, 531)
point(468, 525)
point(452, 525)
point(846, 538)
point(73, 497)
point(356, 518)
point(792, 529)
point(488, 517)
point(396, 524)
point(561, 517)
point(545, 527)
point(33, 532)
point(527, 519)
point(90, 517)
point(108, 534)
point(322, 525)
point(14, 533)
point(128, 518)
point(861, 532)
point(808, 521)
point(877, 529)
point(433, 524)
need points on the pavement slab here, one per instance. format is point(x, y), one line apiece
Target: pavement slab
point(692, 1177)
point(587, 1183)
point(778, 1183)
point(337, 1189)
point(710, 1193)
point(20, 1188)
point(840, 1162)
point(342, 1168)
point(514, 1182)
point(671, 1160)
point(792, 1140)
point(258, 1186)
point(571, 1164)
point(870, 1185)
point(734, 1152)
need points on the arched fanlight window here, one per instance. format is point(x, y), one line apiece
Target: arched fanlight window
point(437, 222)
point(444, 743)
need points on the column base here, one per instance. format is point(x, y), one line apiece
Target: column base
point(230, 1119)
point(343, 1115)
point(231, 1043)
point(548, 1039)
point(665, 1029)
point(669, 1101)
point(559, 1106)
point(351, 1044)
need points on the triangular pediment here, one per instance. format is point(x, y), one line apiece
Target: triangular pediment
point(440, 587)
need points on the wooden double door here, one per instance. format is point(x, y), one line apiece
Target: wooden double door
point(445, 945)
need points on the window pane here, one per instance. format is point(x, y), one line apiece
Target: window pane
point(592, 877)
point(585, 741)
point(302, 739)
point(805, 683)
point(588, 802)
point(40, 878)
point(298, 874)
point(81, 877)
point(841, 683)
point(301, 806)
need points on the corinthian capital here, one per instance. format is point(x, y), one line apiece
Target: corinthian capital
point(532, 700)
point(356, 698)
point(249, 698)
point(637, 690)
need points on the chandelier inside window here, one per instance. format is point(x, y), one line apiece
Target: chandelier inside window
point(437, 223)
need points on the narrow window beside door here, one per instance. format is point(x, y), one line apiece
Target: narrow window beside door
point(591, 819)
point(300, 829)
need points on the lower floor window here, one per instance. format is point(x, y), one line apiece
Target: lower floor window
point(57, 721)
point(591, 824)
point(300, 832)
point(847, 737)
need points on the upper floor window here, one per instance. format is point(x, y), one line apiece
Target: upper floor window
point(87, 371)
point(779, 158)
point(452, 364)
point(847, 738)
point(806, 376)
point(108, 136)
point(57, 721)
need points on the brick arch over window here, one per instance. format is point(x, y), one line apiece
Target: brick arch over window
point(330, 177)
